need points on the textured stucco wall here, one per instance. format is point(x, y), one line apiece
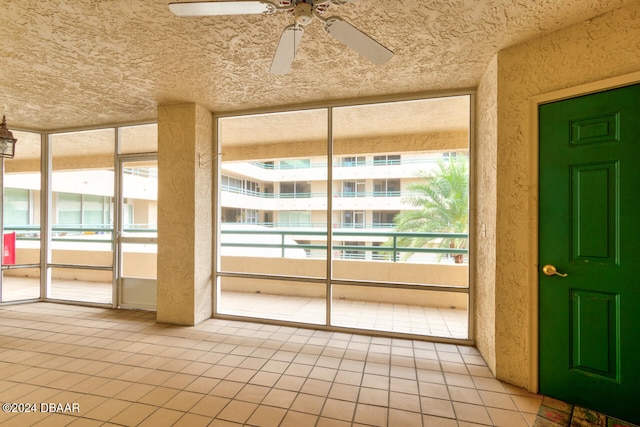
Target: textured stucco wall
point(486, 142)
point(203, 215)
point(601, 48)
point(185, 132)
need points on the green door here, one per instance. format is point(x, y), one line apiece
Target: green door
point(590, 230)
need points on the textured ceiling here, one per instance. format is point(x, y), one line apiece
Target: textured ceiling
point(71, 63)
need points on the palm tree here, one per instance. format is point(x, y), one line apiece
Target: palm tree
point(443, 199)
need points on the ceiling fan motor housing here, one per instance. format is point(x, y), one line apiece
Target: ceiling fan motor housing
point(303, 12)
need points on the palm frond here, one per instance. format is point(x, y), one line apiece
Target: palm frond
point(443, 199)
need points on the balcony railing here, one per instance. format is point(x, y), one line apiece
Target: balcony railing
point(307, 195)
point(348, 164)
point(101, 233)
point(390, 250)
point(283, 239)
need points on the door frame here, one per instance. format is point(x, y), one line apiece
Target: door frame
point(534, 272)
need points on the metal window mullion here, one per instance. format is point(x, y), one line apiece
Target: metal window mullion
point(117, 220)
point(328, 291)
point(46, 204)
point(1, 223)
point(471, 206)
point(216, 178)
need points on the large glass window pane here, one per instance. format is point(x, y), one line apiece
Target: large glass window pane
point(140, 198)
point(273, 194)
point(399, 217)
point(82, 186)
point(22, 219)
point(20, 284)
point(273, 197)
point(85, 285)
point(402, 215)
point(139, 139)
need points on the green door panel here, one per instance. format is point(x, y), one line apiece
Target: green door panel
point(589, 229)
point(595, 344)
point(593, 210)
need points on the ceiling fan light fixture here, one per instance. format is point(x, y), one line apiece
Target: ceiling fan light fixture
point(303, 13)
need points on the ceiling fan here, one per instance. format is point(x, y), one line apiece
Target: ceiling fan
point(304, 12)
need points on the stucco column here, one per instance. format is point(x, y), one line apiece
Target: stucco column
point(185, 140)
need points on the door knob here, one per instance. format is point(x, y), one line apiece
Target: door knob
point(550, 270)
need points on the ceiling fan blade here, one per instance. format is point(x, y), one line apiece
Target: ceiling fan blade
point(213, 8)
point(357, 40)
point(286, 50)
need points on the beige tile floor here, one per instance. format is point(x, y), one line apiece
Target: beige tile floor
point(380, 316)
point(122, 368)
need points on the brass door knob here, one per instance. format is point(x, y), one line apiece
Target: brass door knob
point(550, 270)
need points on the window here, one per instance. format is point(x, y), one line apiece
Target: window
point(82, 234)
point(353, 161)
point(386, 188)
point(383, 218)
point(69, 208)
point(295, 189)
point(383, 155)
point(96, 210)
point(77, 263)
point(21, 182)
point(353, 188)
point(295, 163)
point(16, 207)
point(250, 216)
point(232, 184)
point(390, 159)
point(83, 210)
point(353, 219)
point(292, 241)
point(244, 216)
point(294, 218)
point(239, 185)
point(251, 187)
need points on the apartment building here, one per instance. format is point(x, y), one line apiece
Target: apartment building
point(368, 192)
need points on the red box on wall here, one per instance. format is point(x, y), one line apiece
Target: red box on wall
point(9, 253)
